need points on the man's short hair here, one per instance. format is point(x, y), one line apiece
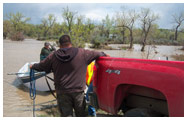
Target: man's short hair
point(64, 40)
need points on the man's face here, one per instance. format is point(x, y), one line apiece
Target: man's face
point(47, 46)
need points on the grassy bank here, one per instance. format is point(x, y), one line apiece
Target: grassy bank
point(178, 57)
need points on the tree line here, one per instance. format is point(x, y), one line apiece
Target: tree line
point(125, 27)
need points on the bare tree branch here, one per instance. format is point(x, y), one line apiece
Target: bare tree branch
point(147, 18)
point(178, 19)
point(126, 19)
point(69, 17)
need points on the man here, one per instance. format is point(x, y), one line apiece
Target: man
point(46, 50)
point(69, 65)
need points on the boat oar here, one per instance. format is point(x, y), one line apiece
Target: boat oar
point(27, 73)
point(16, 73)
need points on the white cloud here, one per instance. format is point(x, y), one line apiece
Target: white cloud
point(94, 16)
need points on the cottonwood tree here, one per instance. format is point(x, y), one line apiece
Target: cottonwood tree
point(121, 21)
point(80, 20)
point(69, 18)
point(126, 19)
point(89, 25)
point(147, 18)
point(58, 29)
point(89, 28)
point(17, 20)
point(132, 17)
point(178, 20)
point(108, 25)
point(48, 23)
point(78, 32)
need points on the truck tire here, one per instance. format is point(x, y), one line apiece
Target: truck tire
point(141, 112)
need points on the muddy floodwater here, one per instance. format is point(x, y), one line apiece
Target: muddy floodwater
point(16, 100)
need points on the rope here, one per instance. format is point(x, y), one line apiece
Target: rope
point(32, 89)
point(49, 85)
point(49, 78)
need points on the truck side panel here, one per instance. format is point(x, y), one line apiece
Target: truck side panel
point(167, 77)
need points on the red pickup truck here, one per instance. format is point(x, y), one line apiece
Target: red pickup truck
point(139, 87)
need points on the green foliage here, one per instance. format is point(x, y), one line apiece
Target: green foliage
point(47, 25)
point(58, 29)
point(17, 22)
point(98, 40)
point(181, 38)
point(77, 36)
point(30, 30)
point(69, 18)
point(108, 26)
point(178, 57)
point(7, 27)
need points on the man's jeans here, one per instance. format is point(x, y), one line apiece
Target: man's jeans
point(91, 110)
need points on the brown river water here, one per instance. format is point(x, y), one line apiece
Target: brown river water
point(16, 100)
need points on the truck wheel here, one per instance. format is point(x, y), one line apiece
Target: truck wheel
point(141, 112)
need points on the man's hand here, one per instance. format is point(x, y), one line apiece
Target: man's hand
point(30, 66)
point(107, 55)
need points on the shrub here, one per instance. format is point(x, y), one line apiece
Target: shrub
point(17, 36)
point(96, 44)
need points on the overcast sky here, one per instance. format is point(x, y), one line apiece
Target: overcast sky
point(94, 11)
